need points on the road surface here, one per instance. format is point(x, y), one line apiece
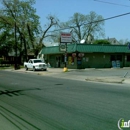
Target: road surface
point(34, 102)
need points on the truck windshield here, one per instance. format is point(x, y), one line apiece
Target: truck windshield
point(37, 61)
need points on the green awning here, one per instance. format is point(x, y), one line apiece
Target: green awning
point(87, 48)
point(103, 48)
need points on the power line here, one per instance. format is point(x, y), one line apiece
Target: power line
point(112, 3)
point(109, 18)
point(93, 22)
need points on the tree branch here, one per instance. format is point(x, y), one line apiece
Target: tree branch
point(51, 24)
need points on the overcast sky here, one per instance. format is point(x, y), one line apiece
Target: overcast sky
point(64, 9)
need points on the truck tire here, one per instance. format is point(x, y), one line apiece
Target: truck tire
point(34, 68)
point(26, 68)
point(45, 69)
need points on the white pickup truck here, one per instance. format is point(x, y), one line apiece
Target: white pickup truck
point(35, 64)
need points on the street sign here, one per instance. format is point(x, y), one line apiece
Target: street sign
point(63, 47)
point(66, 38)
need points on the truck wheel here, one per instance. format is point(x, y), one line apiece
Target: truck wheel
point(26, 68)
point(45, 69)
point(34, 68)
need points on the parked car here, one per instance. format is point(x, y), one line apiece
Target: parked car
point(35, 64)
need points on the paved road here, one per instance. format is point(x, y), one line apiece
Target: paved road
point(35, 102)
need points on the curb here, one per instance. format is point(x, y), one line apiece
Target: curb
point(106, 80)
point(127, 81)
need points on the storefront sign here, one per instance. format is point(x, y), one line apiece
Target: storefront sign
point(66, 38)
point(63, 47)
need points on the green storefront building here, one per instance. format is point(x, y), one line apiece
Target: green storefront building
point(83, 56)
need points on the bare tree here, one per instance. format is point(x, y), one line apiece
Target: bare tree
point(124, 41)
point(85, 25)
point(53, 23)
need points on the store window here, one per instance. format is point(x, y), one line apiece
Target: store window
point(116, 57)
point(119, 57)
point(63, 59)
point(113, 57)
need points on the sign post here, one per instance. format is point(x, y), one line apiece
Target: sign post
point(129, 45)
point(65, 38)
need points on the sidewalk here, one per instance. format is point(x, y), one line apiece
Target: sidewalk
point(120, 75)
point(110, 75)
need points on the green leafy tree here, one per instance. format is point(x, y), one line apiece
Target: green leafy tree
point(5, 39)
point(101, 42)
point(5, 44)
point(20, 16)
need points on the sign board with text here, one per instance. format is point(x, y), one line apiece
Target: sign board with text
point(66, 38)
